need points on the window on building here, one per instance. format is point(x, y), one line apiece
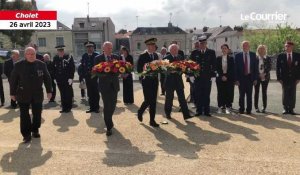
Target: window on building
point(138, 46)
point(42, 42)
point(81, 25)
point(226, 39)
point(59, 41)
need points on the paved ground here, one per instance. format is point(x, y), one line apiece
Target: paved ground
point(75, 143)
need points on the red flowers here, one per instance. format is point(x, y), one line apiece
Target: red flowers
point(112, 67)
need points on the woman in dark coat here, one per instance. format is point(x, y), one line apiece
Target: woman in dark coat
point(127, 81)
point(264, 67)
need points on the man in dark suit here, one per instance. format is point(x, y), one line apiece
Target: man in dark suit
point(108, 86)
point(149, 83)
point(206, 58)
point(26, 86)
point(246, 74)
point(174, 83)
point(64, 70)
point(87, 63)
point(8, 67)
point(288, 74)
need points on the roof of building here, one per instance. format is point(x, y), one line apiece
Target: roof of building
point(157, 30)
point(229, 34)
point(90, 23)
point(61, 26)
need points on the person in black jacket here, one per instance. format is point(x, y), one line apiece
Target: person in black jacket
point(173, 83)
point(264, 68)
point(288, 75)
point(50, 67)
point(109, 87)
point(225, 80)
point(1, 85)
point(64, 70)
point(149, 83)
point(26, 86)
point(81, 80)
point(206, 58)
point(128, 97)
point(8, 67)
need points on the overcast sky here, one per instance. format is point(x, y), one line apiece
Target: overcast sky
point(185, 13)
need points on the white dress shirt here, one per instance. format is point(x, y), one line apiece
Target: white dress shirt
point(224, 64)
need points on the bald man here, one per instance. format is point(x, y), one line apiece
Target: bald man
point(26, 87)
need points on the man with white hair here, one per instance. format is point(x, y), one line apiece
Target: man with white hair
point(108, 86)
point(26, 86)
point(173, 83)
point(8, 67)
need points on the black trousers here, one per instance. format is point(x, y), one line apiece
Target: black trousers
point(66, 95)
point(246, 89)
point(27, 124)
point(128, 89)
point(150, 88)
point(202, 95)
point(225, 93)
point(82, 91)
point(192, 92)
point(109, 105)
point(181, 98)
point(53, 90)
point(1, 90)
point(289, 95)
point(162, 83)
point(92, 92)
point(264, 87)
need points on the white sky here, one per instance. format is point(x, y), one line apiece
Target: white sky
point(185, 13)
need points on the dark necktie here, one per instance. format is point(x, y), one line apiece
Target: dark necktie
point(151, 56)
point(289, 60)
point(246, 65)
point(108, 58)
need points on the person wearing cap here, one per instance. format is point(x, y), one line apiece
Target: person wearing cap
point(246, 75)
point(64, 70)
point(173, 83)
point(109, 86)
point(288, 75)
point(26, 87)
point(50, 67)
point(206, 58)
point(8, 67)
point(87, 63)
point(149, 84)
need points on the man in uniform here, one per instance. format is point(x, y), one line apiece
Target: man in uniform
point(108, 86)
point(149, 84)
point(288, 75)
point(87, 63)
point(50, 67)
point(8, 67)
point(26, 86)
point(174, 83)
point(206, 58)
point(64, 70)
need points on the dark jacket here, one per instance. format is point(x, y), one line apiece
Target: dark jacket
point(267, 67)
point(239, 66)
point(87, 63)
point(26, 81)
point(8, 67)
point(173, 80)
point(109, 81)
point(143, 59)
point(230, 69)
point(64, 68)
point(207, 62)
point(283, 71)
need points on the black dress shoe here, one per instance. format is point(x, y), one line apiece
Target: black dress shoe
point(292, 112)
point(249, 112)
point(187, 117)
point(108, 132)
point(36, 134)
point(27, 139)
point(241, 112)
point(140, 116)
point(285, 112)
point(154, 124)
point(62, 111)
point(257, 110)
point(168, 116)
point(263, 110)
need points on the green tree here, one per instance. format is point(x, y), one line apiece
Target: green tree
point(17, 37)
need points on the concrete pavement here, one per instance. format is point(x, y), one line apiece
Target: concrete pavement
point(75, 143)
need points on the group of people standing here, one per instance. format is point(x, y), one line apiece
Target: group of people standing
point(246, 69)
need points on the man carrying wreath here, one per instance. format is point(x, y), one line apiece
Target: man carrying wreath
point(108, 86)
